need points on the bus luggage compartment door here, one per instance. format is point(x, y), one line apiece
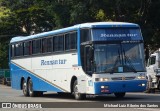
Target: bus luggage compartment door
point(82, 84)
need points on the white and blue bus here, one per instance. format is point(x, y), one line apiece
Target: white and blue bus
point(90, 58)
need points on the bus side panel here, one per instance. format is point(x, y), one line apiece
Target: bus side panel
point(16, 76)
point(56, 70)
point(39, 84)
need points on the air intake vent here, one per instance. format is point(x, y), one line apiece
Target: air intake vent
point(123, 78)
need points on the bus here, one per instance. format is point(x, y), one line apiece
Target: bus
point(96, 58)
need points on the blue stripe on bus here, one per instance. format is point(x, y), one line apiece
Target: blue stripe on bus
point(38, 83)
point(121, 86)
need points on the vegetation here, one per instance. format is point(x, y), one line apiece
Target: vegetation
point(26, 17)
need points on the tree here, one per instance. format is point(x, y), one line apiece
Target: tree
point(30, 17)
point(26, 17)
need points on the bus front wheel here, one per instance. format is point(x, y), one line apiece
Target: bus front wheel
point(77, 95)
point(120, 95)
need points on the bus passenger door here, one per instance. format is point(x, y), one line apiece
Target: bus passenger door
point(89, 68)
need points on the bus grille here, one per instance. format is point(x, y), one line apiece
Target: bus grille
point(123, 78)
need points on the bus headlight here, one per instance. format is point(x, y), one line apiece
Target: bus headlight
point(104, 87)
point(143, 85)
point(101, 79)
point(142, 76)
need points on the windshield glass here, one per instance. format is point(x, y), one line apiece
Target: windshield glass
point(117, 58)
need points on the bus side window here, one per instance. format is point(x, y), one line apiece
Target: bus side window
point(61, 43)
point(58, 42)
point(27, 48)
point(67, 42)
point(44, 45)
point(30, 48)
point(71, 41)
point(18, 49)
point(33, 47)
point(21, 49)
point(36, 46)
point(85, 35)
point(49, 44)
point(12, 50)
point(55, 39)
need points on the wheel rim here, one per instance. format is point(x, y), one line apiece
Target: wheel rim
point(30, 88)
point(76, 94)
point(24, 88)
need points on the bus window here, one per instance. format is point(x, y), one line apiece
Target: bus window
point(67, 42)
point(58, 43)
point(12, 50)
point(47, 45)
point(36, 46)
point(27, 48)
point(18, 49)
point(21, 49)
point(44, 45)
point(71, 41)
point(85, 35)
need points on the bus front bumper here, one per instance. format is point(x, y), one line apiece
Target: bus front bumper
point(120, 86)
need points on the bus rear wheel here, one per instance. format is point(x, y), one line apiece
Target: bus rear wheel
point(24, 88)
point(31, 92)
point(77, 95)
point(120, 95)
point(30, 88)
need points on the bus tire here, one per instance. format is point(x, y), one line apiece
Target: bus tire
point(77, 95)
point(24, 88)
point(30, 88)
point(120, 95)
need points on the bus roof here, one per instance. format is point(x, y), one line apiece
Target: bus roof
point(75, 27)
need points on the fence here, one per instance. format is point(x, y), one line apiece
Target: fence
point(5, 77)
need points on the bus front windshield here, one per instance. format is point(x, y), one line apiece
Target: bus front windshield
point(118, 58)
